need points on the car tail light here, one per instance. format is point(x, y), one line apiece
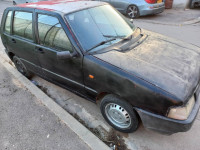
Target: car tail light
point(151, 1)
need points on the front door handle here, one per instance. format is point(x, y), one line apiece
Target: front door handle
point(40, 50)
point(13, 41)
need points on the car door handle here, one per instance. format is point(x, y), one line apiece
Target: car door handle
point(13, 41)
point(40, 50)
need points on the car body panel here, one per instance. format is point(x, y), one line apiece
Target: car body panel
point(138, 92)
point(26, 1)
point(143, 6)
point(166, 125)
point(159, 60)
point(62, 6)
point(66, 72)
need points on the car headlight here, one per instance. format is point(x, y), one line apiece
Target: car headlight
point(182, 113)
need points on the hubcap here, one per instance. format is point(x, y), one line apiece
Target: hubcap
point(132, 11)
point(20, 67)
point(117, 115)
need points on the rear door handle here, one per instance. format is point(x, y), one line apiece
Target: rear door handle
point(13, 40)
point(40, 50)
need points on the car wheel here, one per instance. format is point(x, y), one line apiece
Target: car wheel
point(14, 3)
point(133, 12)
point(119, 114)
point(21, 67)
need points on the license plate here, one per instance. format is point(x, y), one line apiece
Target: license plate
point(159, 1)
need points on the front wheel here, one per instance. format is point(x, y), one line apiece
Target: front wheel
point(132, 12)
point(119, 114)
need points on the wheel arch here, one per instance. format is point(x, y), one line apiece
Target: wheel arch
point(11, 55)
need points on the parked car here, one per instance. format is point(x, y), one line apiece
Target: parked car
point(194, 3)
point(16, 2)
point(91, 49)
point(136, 8)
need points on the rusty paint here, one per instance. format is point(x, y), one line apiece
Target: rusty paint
point(64, 6)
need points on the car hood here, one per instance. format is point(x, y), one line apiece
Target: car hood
point(167, 63)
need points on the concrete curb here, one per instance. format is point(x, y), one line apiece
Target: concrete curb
point(197, 20)
point(87, 136)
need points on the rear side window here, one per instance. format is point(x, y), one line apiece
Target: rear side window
point(22, 25)
point(51, 33)
point(7, 23)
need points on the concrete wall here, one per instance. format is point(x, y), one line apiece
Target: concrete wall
point(180, 3)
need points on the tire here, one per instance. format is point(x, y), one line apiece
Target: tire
point(133, 12)
point(21, 67)
point(119, 114)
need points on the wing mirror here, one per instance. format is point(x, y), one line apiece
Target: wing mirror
point(65, 55)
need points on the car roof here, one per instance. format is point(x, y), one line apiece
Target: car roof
point(62, 6)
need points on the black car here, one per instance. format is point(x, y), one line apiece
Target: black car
point(91, 49)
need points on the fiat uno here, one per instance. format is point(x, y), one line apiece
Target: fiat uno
point(91, 49)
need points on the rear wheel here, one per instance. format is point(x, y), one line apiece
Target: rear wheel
point(119, 114)
point(21, 67)
point(133, 12)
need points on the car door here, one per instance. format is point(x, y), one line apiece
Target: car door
point(53, 39)
point(20, 37)
point(120, 5)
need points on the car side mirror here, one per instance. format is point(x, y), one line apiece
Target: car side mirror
point(65, 55)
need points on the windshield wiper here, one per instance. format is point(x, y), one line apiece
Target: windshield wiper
point(131, 36)
point(101, 43)
point(115, 36)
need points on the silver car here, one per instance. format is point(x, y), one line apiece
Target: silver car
point(136, 8)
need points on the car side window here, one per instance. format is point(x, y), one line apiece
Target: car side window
point(51, 33)
point(7, 23)
point(22, 25)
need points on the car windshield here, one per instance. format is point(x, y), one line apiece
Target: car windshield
point(98, 24)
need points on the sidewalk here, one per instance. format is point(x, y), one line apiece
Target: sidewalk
point(27, 124)
point(174, 17)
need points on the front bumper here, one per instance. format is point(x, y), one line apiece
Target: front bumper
point(167, 125)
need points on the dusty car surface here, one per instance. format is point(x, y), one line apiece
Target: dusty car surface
point(91, 49)
point(16, 2)
point(136, 8)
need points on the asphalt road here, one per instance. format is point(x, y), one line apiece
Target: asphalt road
point(186, 33)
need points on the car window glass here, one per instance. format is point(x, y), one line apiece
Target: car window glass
point(22, 25)
point(98, 24)
point(51, 33)
point(7, 23)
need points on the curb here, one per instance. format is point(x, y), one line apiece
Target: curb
point(87, 136)
point(197, 20)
